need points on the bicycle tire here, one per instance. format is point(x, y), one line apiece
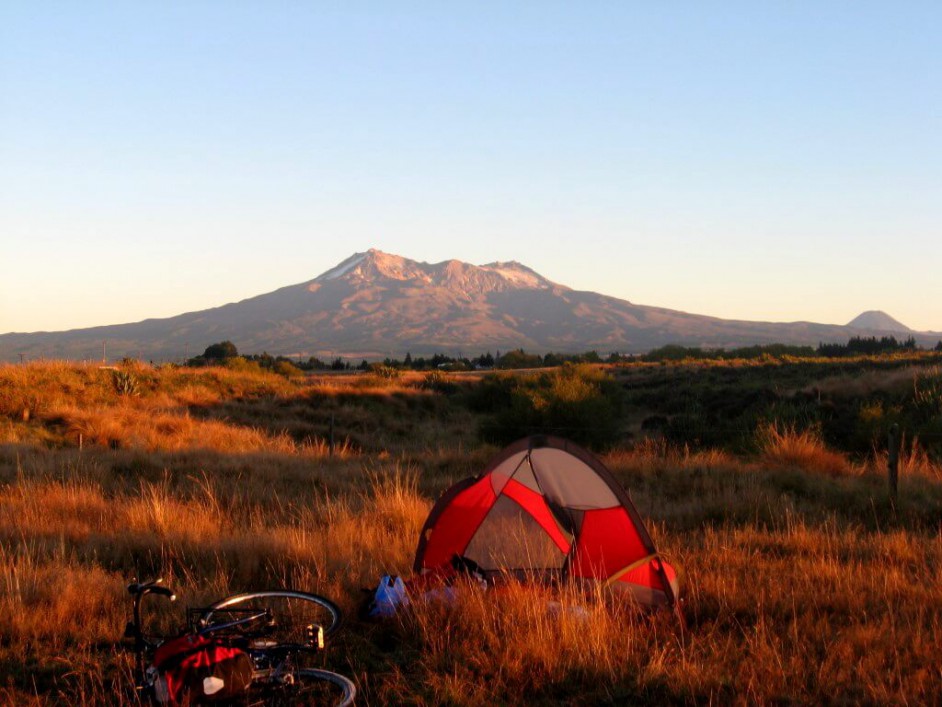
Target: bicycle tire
point(293, 611)
point(311, 680)
point(310, 687)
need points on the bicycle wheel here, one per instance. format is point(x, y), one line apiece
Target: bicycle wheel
point(291, 614)
point(308, 687)
point(323, 687)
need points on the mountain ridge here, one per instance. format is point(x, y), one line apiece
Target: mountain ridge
point(375, 304)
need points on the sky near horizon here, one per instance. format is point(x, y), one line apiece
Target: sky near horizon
point(762, 161)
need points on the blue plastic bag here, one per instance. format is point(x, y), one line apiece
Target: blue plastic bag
point(390, 594)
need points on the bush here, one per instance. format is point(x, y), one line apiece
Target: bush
point(518, 358)
point(242, 365)
point(287, 369)
point(384, 372)
point(439, 382)
point(575, 401)
point(222, 351)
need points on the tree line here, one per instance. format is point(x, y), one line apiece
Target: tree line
point(225, 352)
point(856, 346)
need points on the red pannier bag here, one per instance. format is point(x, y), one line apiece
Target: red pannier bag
point(194, 669)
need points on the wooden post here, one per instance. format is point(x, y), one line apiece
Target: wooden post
point(330, 443)
point(893, 445)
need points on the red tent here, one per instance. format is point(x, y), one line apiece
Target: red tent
point(546, 508)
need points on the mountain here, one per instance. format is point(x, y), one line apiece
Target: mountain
point(878, 321)
point(375, 304)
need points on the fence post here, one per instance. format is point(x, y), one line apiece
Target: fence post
point(892, 459)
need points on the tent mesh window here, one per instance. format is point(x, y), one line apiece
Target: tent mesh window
point(510, 537)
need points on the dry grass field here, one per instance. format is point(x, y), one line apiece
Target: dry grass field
point(802, 583)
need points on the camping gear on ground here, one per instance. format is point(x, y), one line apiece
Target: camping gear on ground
point(546, 509)
point(437, 585)
point(389, 595)
point(200, 667)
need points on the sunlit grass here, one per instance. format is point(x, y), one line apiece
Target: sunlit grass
point(803, 449)
point(802, 584)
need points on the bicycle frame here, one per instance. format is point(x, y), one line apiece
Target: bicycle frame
point(134, 628)
point(274, 663)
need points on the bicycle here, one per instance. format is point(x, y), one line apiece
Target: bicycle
point(251, 649)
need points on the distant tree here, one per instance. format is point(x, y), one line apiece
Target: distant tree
point(518, 358)
point(407, 362)
point(221, 351)
point(868, 346)
point(439, 359)
point(832, 350)
point(315, 364)
point(338, 364)
point(485, 361)
point(938, 347)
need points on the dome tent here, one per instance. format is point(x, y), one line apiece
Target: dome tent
point(545, 508)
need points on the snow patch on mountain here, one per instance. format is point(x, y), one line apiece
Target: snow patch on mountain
point(517, 274)
point(344, 267)
point(523, 279)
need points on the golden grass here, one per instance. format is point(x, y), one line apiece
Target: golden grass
point(801, 583)
point(803, 449)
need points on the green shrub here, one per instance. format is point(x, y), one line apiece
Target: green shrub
point(579, 402)
point(125, 383)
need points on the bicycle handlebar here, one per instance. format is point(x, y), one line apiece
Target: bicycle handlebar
point(164, 592)
point(139, 589)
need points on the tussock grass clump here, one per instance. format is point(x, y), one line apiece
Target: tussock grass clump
point(803, 449)
point(560, 644)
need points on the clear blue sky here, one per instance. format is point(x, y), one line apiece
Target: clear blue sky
point(769, 161)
